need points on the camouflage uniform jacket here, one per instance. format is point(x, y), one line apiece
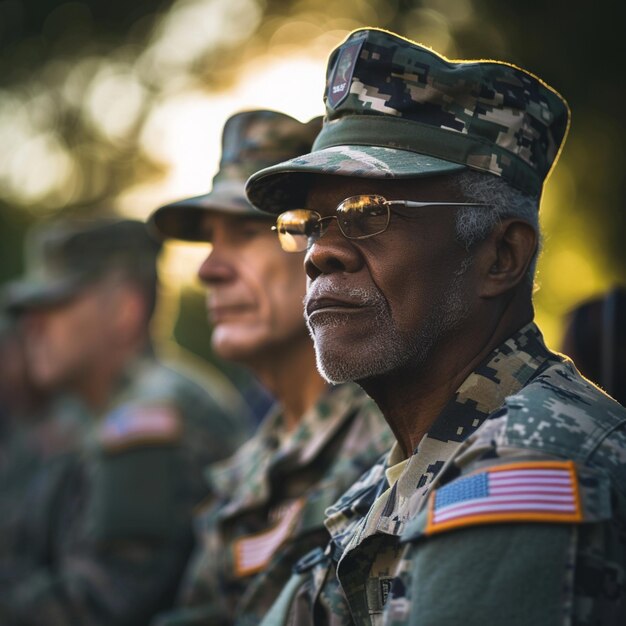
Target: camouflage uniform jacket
point(414, 542)
point(27, 444)
point(270, 509)
point(109, 530)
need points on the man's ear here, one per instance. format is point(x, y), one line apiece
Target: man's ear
point(506, 255)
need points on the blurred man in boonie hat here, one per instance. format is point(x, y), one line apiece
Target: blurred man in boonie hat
point(108, 530)
point(503, 500)
point(270, 496)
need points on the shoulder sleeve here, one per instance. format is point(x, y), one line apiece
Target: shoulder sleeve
point(121, 542)
point(511, 575)
point(137, 493)
point(525, 542)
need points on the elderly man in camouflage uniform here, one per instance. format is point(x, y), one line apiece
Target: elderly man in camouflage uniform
point(504, 499)
point(272, 494)
point(108, 529)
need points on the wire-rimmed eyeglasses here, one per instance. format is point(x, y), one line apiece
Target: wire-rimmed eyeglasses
point(358, 217)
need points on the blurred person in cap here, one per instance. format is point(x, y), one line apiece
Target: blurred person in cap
point(109, 528)
point(270, 496)
point(595, 339)
point(503, 500)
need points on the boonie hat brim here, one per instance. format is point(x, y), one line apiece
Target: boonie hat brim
point(284, 186)
point(23, 295)
point(183, 219)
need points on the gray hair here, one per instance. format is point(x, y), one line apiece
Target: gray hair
point(475, 223)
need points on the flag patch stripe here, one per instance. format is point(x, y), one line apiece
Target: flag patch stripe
point(529, 491)
point(526, 489)
point(524, 480)
point(519, 499)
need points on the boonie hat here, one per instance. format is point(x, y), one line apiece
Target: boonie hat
point(63, 257)
point(397, 109)
point(251, 140)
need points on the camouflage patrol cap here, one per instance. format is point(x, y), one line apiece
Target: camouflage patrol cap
point(251, 141)
point(396, 109)
point(63, 257)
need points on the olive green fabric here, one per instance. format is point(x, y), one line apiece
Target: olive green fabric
point(533, 588)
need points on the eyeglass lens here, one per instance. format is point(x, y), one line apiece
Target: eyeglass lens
point(363, 216)
point(296, 227)
point(359, 217)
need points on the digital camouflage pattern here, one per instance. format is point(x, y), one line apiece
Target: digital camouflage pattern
point(381, 567)
point(338, 439)
point(109, 529)
point(396, 109)
point(251, 140)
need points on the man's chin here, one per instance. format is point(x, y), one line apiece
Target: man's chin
point(341, 367)
point(333, 330)
point(234, 351)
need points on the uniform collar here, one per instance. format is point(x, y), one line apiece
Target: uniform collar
point(504, 372)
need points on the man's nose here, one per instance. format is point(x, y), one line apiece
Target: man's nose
point(216, 268)
point(332, 252)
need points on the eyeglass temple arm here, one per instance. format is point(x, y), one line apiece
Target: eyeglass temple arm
point(417, 205)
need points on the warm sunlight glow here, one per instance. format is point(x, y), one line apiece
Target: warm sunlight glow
point(184, 131)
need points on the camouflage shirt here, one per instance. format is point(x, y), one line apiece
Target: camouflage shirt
point(436, 539)
point(109, 530)
point(28, 443)
point(270, 510)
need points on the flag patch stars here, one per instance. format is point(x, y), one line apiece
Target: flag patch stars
point(520, 492)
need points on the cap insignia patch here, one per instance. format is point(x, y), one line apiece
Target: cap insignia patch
point(339, 85)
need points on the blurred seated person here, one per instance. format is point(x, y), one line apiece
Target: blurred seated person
point(109, 527)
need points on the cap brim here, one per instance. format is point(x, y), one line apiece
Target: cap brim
point(183, 219)
point(22, 295)
point(285, 186)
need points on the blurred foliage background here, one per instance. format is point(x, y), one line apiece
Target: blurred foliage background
point(118, 107)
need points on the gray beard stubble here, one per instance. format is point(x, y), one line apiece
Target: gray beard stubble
point(390, 347)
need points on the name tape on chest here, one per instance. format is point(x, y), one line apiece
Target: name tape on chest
point(531, 492)
point(253, 552)
point(134, 425)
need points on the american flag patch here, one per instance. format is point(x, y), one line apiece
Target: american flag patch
point(254, 552)
point(131, 425)
point(531, 492)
